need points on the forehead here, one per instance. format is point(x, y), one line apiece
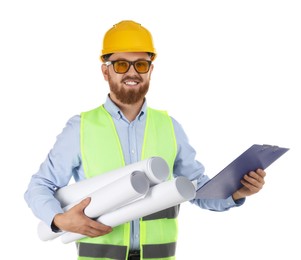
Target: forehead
point(130, 56)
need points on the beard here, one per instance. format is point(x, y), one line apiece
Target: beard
point(129, 96)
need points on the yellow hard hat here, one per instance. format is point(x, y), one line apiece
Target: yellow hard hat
point(127, 36)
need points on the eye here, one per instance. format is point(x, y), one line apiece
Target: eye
point(121, 66)
point(141, 65)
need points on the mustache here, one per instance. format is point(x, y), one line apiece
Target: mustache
point(132, 78)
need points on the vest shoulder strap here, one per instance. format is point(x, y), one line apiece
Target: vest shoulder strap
point(99, 143)
point(159, 137)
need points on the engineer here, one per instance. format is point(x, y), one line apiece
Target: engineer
point(121, 131)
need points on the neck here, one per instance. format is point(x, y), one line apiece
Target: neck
point(130, 111)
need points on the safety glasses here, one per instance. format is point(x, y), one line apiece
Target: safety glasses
point(123, 66)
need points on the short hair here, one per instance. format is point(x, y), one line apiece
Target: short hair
point(107, 56)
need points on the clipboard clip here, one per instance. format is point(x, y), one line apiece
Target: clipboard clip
point(267, 146)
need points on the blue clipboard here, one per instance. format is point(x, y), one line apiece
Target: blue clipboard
point(226, 182)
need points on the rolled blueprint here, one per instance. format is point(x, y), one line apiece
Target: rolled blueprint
point(155, 168)
point(112, 196)
point(116, 194)
point(161, 196)
point(45, 233)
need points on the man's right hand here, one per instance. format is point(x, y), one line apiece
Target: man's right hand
point(74, 220)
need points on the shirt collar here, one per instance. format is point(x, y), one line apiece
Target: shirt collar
point(115, 112)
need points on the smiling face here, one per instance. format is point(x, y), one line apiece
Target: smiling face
point(130, 87)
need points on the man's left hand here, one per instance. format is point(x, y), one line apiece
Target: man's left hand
point(252, 183)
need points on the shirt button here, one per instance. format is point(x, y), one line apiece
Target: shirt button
point(133, 151)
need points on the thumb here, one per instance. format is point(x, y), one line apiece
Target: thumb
point(83, 204)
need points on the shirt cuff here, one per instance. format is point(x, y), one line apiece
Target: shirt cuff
point(234, 203)
point(54, 228)
point(50, 212)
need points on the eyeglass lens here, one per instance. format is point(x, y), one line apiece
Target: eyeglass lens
point(122, 66)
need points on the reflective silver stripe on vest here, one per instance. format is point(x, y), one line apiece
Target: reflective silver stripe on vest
point(172, 212)
point(159, 251)
point(101, 251)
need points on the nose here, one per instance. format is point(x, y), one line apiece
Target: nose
point(132, 69)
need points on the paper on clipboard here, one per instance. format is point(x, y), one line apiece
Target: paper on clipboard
point(222, 185)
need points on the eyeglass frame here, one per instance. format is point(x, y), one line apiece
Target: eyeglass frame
point(111, 62)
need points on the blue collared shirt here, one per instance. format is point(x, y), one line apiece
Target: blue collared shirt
point(63, 163)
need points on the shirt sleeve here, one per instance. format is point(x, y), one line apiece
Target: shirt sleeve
point(61, 163)
point(186, 165)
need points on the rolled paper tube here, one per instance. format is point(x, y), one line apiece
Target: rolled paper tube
point(45, 233)
point(116, 194)
point(159, 197)
point(112, 196)
point(155, 168)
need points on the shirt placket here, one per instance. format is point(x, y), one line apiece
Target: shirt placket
point(134, 158)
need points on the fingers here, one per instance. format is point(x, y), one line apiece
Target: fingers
point(252, 183)
point(261, 172)
point(93, 228)
point(254, 180)
point(88, 226)
point(99, 229)
point(74, 220)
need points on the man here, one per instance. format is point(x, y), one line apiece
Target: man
point(127, 128)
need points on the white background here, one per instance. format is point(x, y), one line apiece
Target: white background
point(228, 71)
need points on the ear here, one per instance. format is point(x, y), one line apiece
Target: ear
point(105, 71)
point(151, 70)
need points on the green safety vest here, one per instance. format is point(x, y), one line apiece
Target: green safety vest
point(101, 152)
